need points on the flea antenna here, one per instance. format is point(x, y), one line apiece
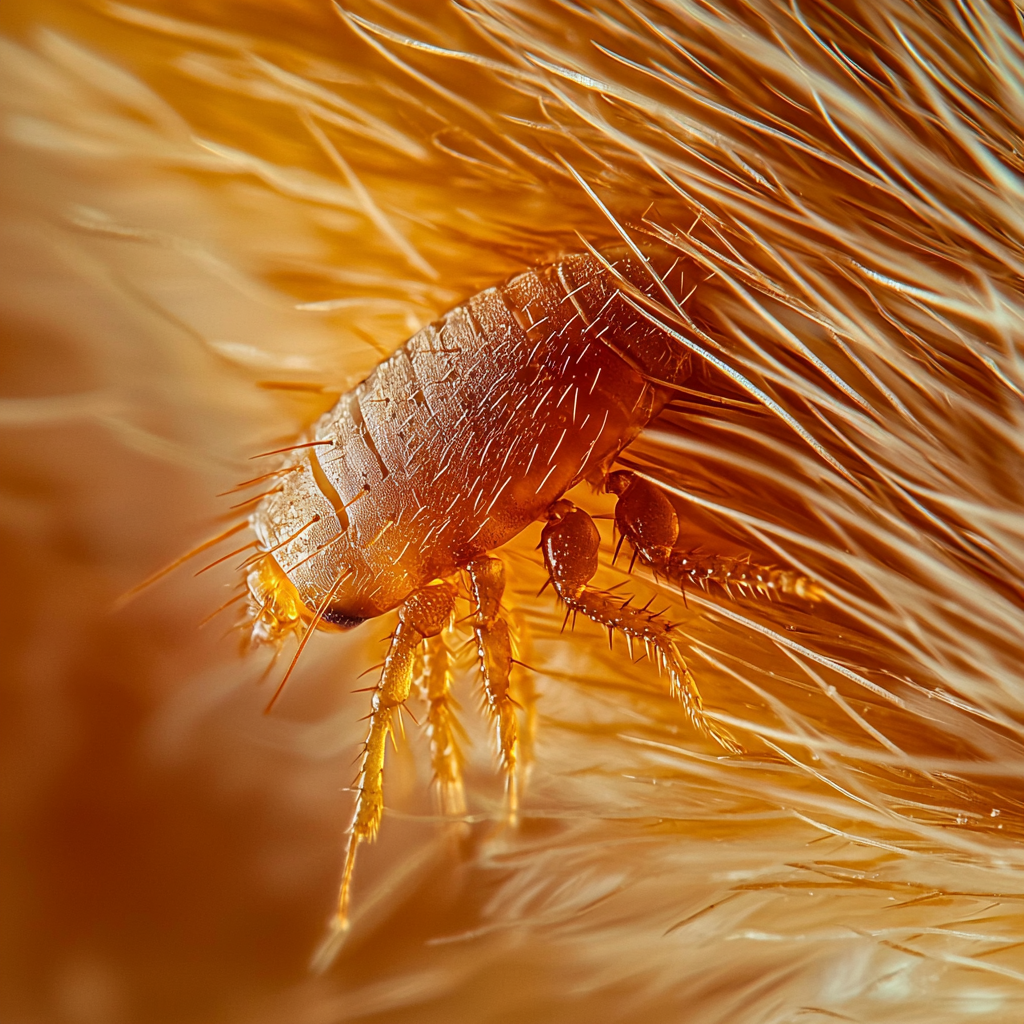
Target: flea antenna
point(290, 448)
point(317, 616)
point(126, 597)
point(224, 558)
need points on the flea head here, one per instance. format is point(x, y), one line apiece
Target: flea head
point(323, 563)
point(276, 607)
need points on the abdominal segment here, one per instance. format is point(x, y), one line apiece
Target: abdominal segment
point(470, 431)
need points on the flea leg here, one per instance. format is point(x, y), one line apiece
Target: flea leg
point(570, 542)
point(425, 613)
point(494, 646)
point(647, 519)
point(435, 681)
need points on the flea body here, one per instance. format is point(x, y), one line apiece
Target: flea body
point(467, 434)
point(470, 432)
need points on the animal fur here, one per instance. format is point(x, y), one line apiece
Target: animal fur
point(203, 203)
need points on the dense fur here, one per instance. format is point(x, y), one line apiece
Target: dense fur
point(202, 198)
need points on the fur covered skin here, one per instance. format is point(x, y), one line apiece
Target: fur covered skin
point(202, 203)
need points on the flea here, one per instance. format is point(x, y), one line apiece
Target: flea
point(472, 430)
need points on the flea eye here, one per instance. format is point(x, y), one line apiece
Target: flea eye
point(340, 619)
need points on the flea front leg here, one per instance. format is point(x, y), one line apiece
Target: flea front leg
point(571, 542)
point(494, 647)
point(424, 614)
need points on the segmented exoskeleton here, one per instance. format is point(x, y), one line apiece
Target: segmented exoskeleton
point(472, 430)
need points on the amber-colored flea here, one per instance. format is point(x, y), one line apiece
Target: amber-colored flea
point(471, 431)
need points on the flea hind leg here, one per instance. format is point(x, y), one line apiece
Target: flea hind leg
point(647, 519)
point(425, 613)
point(494, 647)
point(435, 682)
point(570, 542)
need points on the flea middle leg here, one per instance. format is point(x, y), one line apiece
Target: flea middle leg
point(435, 682)
point(494, 646)
point(570, 542)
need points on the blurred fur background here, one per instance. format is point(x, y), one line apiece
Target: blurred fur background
point(200, 200)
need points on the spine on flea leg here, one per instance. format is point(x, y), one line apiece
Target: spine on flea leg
point(738, 574)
